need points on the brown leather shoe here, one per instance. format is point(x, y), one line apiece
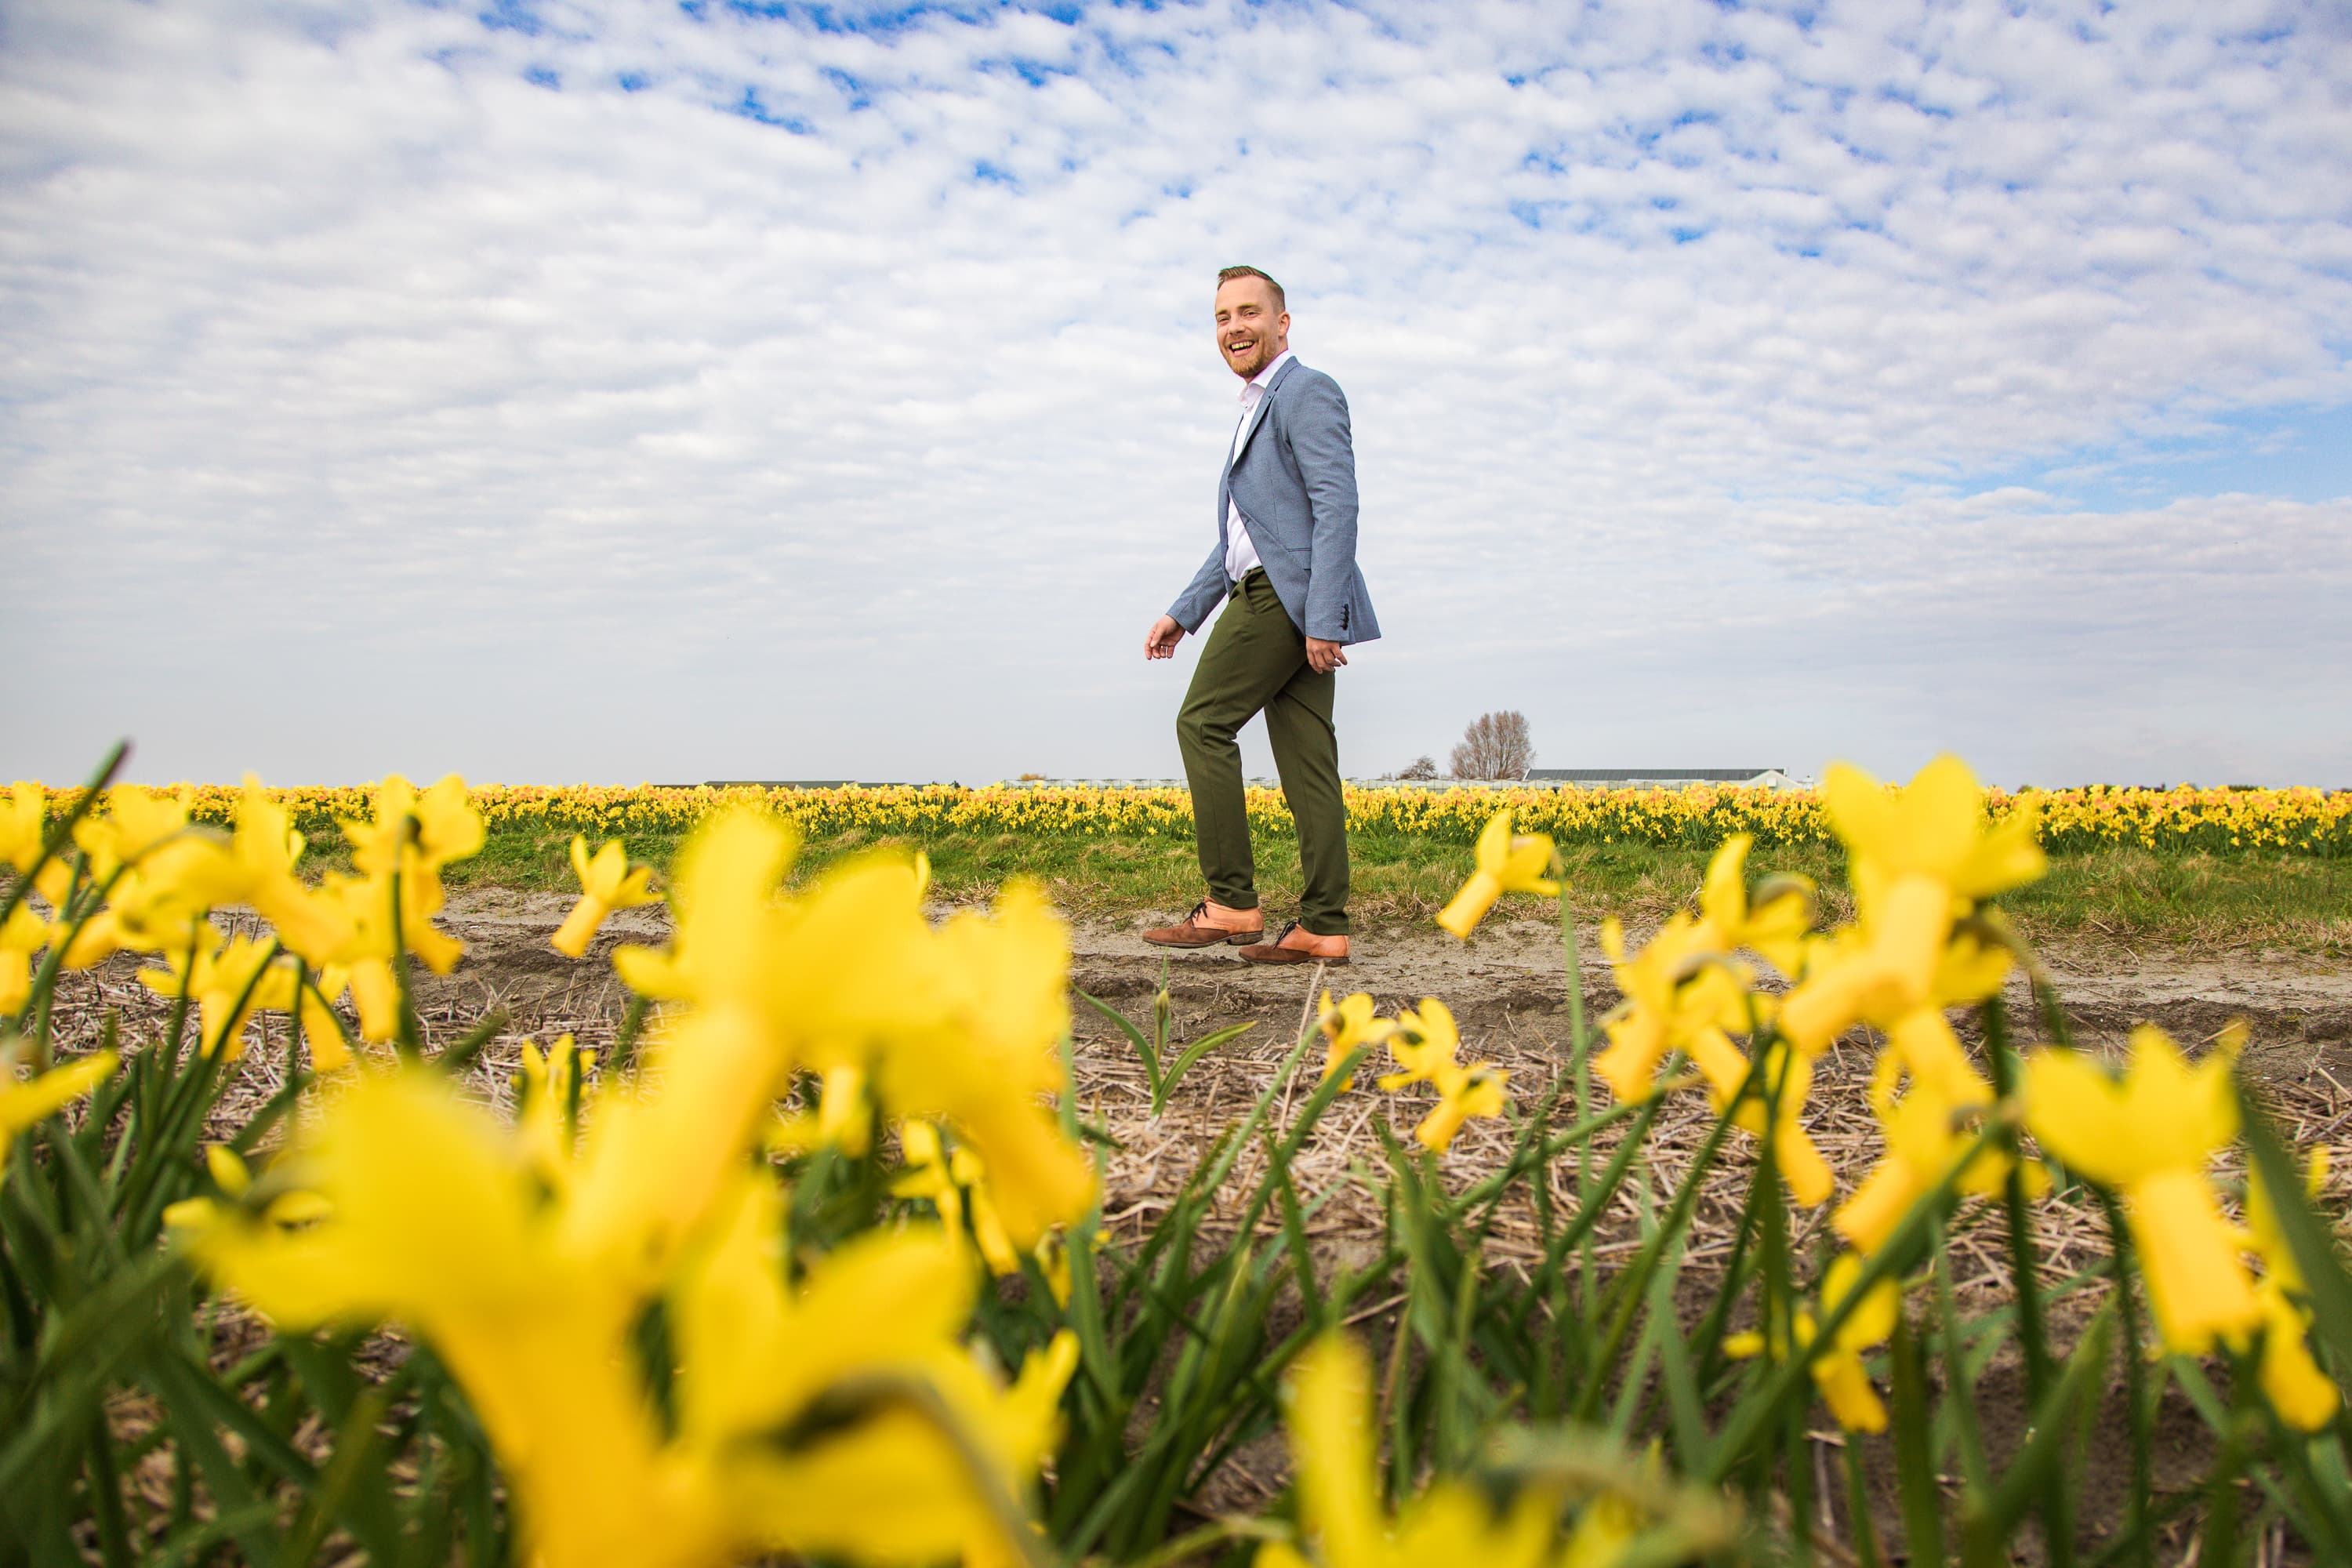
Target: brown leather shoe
point(1205, 927)
point(1296, 944)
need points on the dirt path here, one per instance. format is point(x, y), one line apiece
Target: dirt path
point(1505, 987)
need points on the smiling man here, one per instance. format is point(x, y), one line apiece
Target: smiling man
point(1284, 569)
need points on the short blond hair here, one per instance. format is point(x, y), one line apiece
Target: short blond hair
point(1228, 273)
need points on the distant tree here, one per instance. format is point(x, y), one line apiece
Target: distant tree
point(1420, 767)
point(1494, 746)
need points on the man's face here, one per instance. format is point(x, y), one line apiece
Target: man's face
point(1251, 333)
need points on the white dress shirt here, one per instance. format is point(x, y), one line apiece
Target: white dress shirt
point(1241, 555)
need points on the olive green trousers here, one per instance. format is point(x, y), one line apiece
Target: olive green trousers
point(1255, 661)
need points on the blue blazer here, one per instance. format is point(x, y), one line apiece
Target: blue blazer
point(1294, 483)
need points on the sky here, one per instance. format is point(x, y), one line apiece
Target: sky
point(555, 391)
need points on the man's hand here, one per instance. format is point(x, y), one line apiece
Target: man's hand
point(1161, 641)
point(1323, 658)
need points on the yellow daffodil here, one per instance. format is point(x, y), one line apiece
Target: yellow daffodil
point(1934, 829)
point(315, 925)
point(322, 1029)
point(1922, 1044)
point(423, 1210)
point(1462, 1093)
point(409, 839)
point(446, 828)
point(1836, 1367)
point(960, 1024)
point(136, 821)
point(23, 934)
point(722, 948)
point(2150, 1137)
point(1423, 1044)
point(956, 1182)
point(1332, 1440)
point(24, 1102)
point(1504, 865)
point(230, 980)
point(1775, 928)
point(1924, 1140)
point(24, 826)
point(1919, 859)
point(1004, 978)
point(882, 1483)
point(2304, 1396)
point(951, 1182)
point(1347, 1025)
point(550, 1085)
point(607, 882)
point(1679, 986)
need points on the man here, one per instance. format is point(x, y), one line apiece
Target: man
point(1284, 569)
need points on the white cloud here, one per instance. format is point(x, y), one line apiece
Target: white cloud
point(839, 402)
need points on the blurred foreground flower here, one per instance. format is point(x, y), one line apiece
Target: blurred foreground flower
point(1332, 1448)
point(2151, 1136)
point(24, 1102)
point(839, 1414)
point(2305, 1397)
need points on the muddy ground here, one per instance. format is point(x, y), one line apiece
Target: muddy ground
point(1506, 992)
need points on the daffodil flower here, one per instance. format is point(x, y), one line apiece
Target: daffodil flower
point(1801, 1163)
point(313, 924)
point(2304, 1396)
point(1919, 859)
point(1680, 986)
point(1331, 1444)
point(2150, 1137)
point(607, 882)
point(445, 828)
point(25, 1101)
point(1504, 865)
point(1423, 1044)
point(230, 980)
point(1836, 1367)
point(1924, 1142)
point(24, 826)
point(1776, 928)
point(953, 1185)
point(136, 821)
point(1462, 1093)
point(23, 934)
point(420, 1208)
point(322, 1030)
point(1347, 1025)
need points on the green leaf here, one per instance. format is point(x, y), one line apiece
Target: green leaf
point(1142, 1044)
point(1191, 1054)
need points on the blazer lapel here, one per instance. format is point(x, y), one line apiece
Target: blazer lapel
point(1258, 415)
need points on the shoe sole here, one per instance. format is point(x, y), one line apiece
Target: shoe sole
point(1306, 958)
point(1235, 939)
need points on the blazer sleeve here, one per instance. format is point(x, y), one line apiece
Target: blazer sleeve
point(1315, 426)
point(1203, 593)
